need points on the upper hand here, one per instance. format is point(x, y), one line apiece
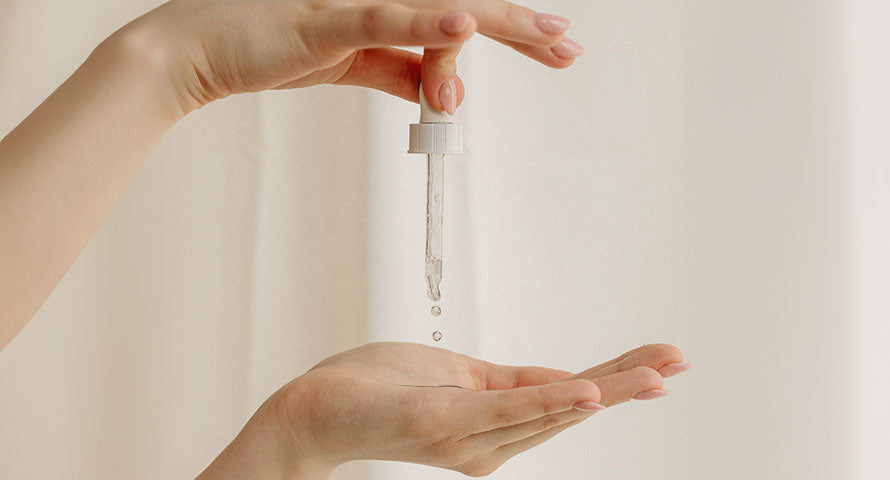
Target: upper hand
point(217, 48)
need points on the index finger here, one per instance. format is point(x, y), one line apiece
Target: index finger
point(492, 376)
point(386, 24)
point(506, 20)
point(487, 410)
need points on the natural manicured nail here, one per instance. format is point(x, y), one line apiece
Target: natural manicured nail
point(651, 394)
point(672, 369)
point(448, 96)
point(551, 24)
point(588, 406)
point(454, 23)
point(567, 49)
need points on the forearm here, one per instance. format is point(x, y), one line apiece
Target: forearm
point(63, 168)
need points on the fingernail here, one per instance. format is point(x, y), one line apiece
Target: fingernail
point(448, 96)
point(551, 24)
point(651, 394)
point(672, 369)
point(567, 49)
point(588, 406)
point(454, 23)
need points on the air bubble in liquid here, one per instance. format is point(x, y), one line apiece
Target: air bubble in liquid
point(436, 311)
point(437, 335)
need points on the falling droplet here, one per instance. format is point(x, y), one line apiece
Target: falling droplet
point(437, 335)
point(436, 311)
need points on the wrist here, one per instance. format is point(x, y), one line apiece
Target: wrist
point(144, 57)
point(268, 448)
point(152, 48)
point(300, 434)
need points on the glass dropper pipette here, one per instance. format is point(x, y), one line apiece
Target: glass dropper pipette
point(436, 136)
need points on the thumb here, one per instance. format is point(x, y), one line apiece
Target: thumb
point(442, 88)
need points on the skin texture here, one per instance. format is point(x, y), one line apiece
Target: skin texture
point(414, 403)
point(63, 168)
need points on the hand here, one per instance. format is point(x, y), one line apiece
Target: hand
point(217, 48)
point(419, 404)
point(64, 166)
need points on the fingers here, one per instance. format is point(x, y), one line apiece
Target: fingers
point(633, 375)
point(491, 376)
point(487, 462)
point(384, 24)
point(561, 55)
point(398, 72)
point(641, 383)
point(501, 436)
point(672, 369)
point(390, 70)
point(510, 450)
point(537, 35)
point(441, 87)
point(335, 31)
point(655, 356)
point(487, 410)
point(510, 21)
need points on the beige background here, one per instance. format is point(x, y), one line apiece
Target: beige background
point(711, 174)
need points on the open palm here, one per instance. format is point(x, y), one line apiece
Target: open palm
point(420, 404)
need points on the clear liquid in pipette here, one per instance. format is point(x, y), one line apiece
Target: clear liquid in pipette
point(435, 194)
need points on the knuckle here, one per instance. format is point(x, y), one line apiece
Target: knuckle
point(512, 11)
point(500, 24)
point(419, 429)
point(588, 388)
point(550, 406)
point(648, 377)
point(417, 27)
point(372, 20)
point(480, 469)
point(450, 452)
point(505, 410)
point(665, 352)
point(579, 388)
point(459, 453)
point(549, 422)
point(514, 14)
point(560, 63)
point(481, 370)
point(505, 416)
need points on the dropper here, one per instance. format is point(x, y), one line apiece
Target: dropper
point(436, 136)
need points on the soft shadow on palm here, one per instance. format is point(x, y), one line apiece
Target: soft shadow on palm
point(408, 364)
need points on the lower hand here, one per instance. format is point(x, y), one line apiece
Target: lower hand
point(419, 404)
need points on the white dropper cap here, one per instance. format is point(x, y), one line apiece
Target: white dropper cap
point(436, 132)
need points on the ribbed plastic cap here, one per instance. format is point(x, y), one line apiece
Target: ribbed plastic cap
point(436, 133)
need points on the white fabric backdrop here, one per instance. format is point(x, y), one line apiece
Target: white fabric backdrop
point(710, 174)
